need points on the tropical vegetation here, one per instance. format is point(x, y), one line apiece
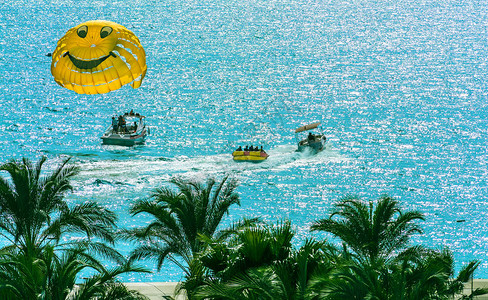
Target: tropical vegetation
point(367, 252)
point(382, 264)
point(260, 262)
point(39, 260)
point(179, 218)
point(375, 261)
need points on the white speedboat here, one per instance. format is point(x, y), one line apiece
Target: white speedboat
point(313, 141)
point(126, 130)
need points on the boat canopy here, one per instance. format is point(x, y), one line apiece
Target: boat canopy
point(307, 127)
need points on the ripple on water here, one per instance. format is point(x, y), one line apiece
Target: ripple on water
point(400, 89)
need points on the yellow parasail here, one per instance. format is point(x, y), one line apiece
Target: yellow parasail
point(97, 57)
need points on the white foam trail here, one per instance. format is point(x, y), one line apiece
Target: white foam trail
point(281, 157)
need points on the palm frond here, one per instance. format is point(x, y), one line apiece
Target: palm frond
point(181, 218)
point(97, 286)
point(88, 218)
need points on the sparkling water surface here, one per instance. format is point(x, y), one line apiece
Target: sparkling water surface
point(401, 90)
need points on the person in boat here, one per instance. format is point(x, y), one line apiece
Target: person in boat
point(122, 124)
point(246, 148)
point(239, 149)
point(115, 124)
point(311, 137)
point(131, 113)
point(119, 123)
point(261, 149)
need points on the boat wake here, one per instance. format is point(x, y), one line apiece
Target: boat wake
point(142, 174)
point(281, 157)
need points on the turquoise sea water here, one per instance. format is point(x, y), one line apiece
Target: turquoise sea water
point(401, 89)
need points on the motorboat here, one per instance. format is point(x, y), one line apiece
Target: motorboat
point(312, 141)
point(126, 130)
point(250, 156)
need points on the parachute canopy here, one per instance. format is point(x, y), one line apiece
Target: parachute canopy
point(97, 57)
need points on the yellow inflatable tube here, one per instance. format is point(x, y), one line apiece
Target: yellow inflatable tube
point(252, 156)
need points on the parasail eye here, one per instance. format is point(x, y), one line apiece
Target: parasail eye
point(82, 31)
point(106, 31)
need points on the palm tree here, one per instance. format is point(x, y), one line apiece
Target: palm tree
point(375, 234)
point(372, 232)
point(180, 217)
point(33, 211)
point(382, 265)
point(417, 273)
point(254, 245)
point(259, 262)
point(35, 218)
point(54, 277)
point(421, 273)
point(254, 284)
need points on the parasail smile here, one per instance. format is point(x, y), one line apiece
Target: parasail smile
point(88, 64)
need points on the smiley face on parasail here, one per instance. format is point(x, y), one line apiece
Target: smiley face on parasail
point(97, 57)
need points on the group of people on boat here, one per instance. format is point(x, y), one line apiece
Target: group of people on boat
point(119, 124)
point(250, 148)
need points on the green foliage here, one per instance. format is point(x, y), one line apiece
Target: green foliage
point(179, 219)
point(251, 246)
point(382, 264)
point(371, 231)
point(39, 263)
point(257, 261)
point(249, 260)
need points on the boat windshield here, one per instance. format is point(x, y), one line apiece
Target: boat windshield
point(130, 119)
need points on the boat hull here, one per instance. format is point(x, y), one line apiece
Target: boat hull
point(124, 139)
point(317, 145)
